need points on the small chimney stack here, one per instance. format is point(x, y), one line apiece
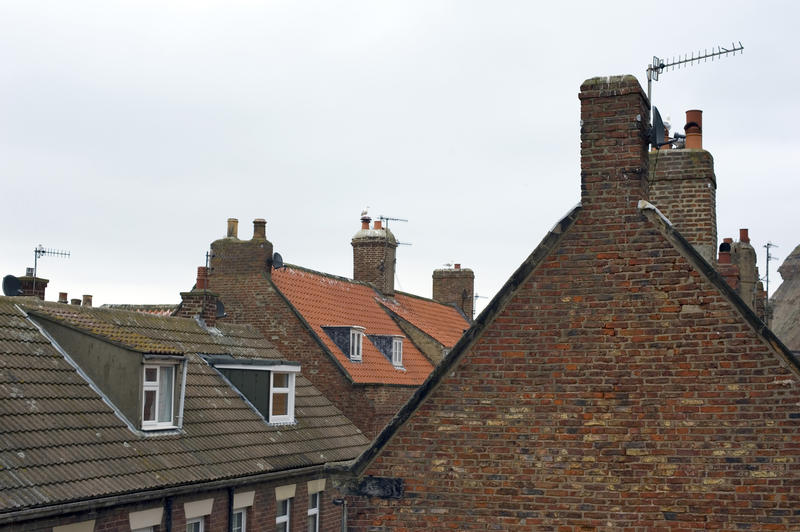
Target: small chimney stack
point(259, 229)
point(694, 129)
point(87, 300)
point(32, 286)
point(233, 228)
point(200, 302)
point(62, 297)
point(456, 287)
point(374, 252)
point(75, 301)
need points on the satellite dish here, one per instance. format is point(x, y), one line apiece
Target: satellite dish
point(657, 131)
point(220, 309)
point(277, 261)
point(12, 286)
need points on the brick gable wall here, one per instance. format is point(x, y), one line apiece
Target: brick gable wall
point(617, 388)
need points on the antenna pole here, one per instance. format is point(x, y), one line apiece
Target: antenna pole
point(40, 251)
point(768, 246)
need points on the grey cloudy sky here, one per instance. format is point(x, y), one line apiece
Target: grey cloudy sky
point(130, 131)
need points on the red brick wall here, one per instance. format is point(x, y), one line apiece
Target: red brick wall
point(260, 516)
point(618, 389)
point(374, 262)
point(684, 188)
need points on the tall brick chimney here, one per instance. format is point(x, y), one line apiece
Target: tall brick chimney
point(374, 253)
point(200, 302)
point(231, 256)
point(614, 114)
point(744, 257)
point(683, 186)
point(455, 286)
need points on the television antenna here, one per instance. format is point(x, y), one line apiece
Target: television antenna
point(41, 251)
point(658, 66)
point(385, 220)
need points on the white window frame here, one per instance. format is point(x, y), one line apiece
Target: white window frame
point(356, 343)
point(156, 387)
point(313, 511)
point(145, 529)
point(284, 518)
point(197, 520)
point(242, 511)
point(397, 351)
point(289, 390)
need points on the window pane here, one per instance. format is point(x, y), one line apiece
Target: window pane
point(165, 395)
point(150, 374)
point(149, 413)
point(238, 521)
point(280, 380)
point(281, 527)
point(283, 507)
point(312, 523)
point(312, 500)
point(280, 404)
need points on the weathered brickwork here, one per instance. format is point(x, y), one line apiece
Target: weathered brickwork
point(240, 274)
point(614, 386)
point(374, 257)
point(455, 286)
point(260, 516)
point(684, 188)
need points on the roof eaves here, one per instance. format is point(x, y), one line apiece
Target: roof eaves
point(492, 310)
point(688, 251)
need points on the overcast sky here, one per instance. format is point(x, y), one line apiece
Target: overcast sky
point(130, 131)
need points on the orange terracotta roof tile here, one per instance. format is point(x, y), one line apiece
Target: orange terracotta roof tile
point(327, 300)
point(442, 322)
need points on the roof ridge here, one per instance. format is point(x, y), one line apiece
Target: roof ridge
point(331, 275)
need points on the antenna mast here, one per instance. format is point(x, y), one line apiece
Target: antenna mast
point(658, 65)
point(770, 257)
point(40, 251)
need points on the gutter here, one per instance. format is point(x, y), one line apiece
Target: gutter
point(141, 496)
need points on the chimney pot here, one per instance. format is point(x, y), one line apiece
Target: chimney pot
point(28, 272)
point(744, 236)
point(233, 228)
point(87, 300)
point(728, 240)
point(75, 301)
point(694, 129)
point(365, 220)
point(202, 278)
point(259, 229)
point(457, 266)
point(62, 297)
point(378, 224)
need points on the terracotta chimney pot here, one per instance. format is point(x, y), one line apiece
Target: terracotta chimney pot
point(62, 297)
point(744, 236)
point(694, 129)
point(378, 224)
point(202, 278)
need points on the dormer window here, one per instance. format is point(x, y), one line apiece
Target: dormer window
point(267, 385)
point(397, 352)
point(356, 343)
point(158, 397)
point(281, 398)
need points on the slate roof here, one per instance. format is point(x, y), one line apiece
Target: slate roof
point(442, 322)
point(328, 300)
point(61, 442)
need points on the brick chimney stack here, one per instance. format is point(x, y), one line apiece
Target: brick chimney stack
point(374, 252)
point(200, 302)
point(683, 187)
point(232, 256)
point(614, 113)
point(87, 300)
point(455, 286)
point(33, 286)
point(744, 256)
